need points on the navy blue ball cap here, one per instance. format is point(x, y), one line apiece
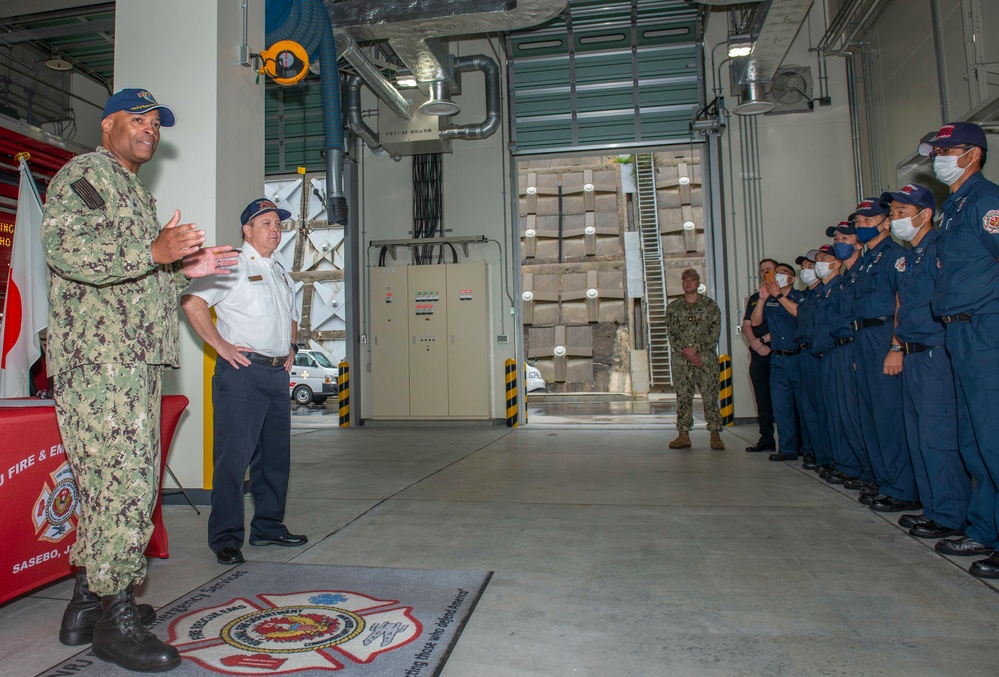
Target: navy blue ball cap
point(956, 134)
point(870, 206)
point(261, 206)
point(845, 227)
point(138, 101)
point(912, 194)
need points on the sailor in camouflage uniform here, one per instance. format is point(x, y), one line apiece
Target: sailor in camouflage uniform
point(693, 324)
point(114, 281)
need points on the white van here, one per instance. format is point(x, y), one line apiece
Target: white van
point(313, 378)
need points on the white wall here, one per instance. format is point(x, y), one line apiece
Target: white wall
point(807, 181)
point(211, 164)
point(476, 202)
point(88, 115)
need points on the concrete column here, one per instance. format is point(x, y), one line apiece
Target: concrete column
point(209, 165)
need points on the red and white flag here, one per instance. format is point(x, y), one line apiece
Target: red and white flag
point(26, 309)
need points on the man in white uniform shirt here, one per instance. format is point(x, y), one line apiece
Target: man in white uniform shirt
point(255, 341)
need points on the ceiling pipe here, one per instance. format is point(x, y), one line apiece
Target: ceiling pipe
point(355, 120)
point(383, 89)
point(491, 124)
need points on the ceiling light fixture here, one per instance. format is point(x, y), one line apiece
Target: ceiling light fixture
point(57, 64)
point(739, 45)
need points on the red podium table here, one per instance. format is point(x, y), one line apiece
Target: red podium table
point(38, 500)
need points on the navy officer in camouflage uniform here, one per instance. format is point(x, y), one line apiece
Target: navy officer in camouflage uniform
point(693, 324)
point(114, 280)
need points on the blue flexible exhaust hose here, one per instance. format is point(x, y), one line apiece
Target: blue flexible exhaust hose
point(307, 22)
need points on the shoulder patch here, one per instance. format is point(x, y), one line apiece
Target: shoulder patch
point(991, 222)
point(87, 193)
point(900, 264)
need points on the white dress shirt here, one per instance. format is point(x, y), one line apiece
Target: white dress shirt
point(254, 304)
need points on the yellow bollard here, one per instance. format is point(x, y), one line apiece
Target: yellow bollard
point(727, 403)
point(511, 393)
point(343, 393)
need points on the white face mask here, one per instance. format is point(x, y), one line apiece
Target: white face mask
point(904, 229)
point(823, 269)
point(782, 279)
point(808, 276)
point(945, 167)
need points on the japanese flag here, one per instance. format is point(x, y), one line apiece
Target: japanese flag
point(26, 309)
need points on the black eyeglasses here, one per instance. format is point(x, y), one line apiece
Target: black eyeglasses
point(946, 151)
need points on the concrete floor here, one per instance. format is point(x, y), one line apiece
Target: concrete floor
point(613, 555)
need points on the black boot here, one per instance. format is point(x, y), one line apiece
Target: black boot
point(120, 638)
point(83, 611)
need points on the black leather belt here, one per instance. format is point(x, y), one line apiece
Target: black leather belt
point(910, 348)
point(870, 322)
point(265, 359)
point(818, 355)
point(960, 317)
point(804, 346)
point(787, 353)
point(842, 341)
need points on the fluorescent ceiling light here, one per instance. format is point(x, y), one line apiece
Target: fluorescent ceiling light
point(736, 50)
point(406, 82)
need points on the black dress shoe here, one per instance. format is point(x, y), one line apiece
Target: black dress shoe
point(838, 477)
point(808, 462)
point(782, 457)
point(892, 504)
point(871, 488)
point(867, 499)
point(763, 446)
point(229, 556)
point(985, 568)
point(288, 540)
point(909, 521)
point(855, 484)
point(931, 529)
point(963, 546)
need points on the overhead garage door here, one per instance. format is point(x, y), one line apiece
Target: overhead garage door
point(606, 74)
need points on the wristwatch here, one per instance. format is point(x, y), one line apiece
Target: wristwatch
point(779, 296)
point(896, 348)
point(294, 348)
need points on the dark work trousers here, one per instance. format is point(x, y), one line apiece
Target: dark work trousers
point(252, 429)
point(880, 409)
point(974, 355)
point(759, 374)
point(812, 409)
point(784, 382)
point(849, 454)
point(929, 408)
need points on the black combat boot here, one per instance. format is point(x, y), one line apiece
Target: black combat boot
point(83, 611)
point(120, 638)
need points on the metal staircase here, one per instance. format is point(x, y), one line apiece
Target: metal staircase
point(655, 280)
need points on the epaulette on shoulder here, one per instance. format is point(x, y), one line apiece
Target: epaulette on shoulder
point(87, 193)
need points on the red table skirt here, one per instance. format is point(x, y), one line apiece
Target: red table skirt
point(38, 507)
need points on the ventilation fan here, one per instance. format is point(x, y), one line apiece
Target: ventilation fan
point(791, 90)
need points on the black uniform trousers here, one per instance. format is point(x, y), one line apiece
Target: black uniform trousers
point(759, 374)
point(252, 428)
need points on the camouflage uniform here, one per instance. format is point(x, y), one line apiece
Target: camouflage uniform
point(112, 329)
point(695, 324)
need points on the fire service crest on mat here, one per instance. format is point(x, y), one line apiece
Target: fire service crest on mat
point(57, 508)
point(280, 634)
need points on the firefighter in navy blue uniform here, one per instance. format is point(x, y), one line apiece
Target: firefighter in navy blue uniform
point(838, 376)
point(814, 438)
point(929, 404)
point(759, 367)
point(879, 380)
point(966, 298)
point(778, 307)
point(827, 270)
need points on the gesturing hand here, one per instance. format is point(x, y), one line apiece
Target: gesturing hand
point(176, 241)
point(210, 261)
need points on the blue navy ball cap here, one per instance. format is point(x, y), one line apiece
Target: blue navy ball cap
point(261, 206)
point(870, 206)
point(845, 227)
point(138, 101)
point(809, 256)
point(912, 194)
point(956, 134)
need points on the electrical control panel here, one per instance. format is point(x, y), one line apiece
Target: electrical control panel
point(430, 346)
